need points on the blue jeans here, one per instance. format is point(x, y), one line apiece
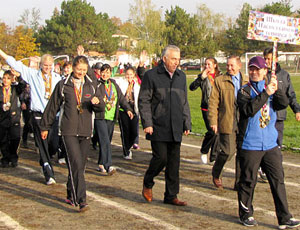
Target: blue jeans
point(104, 129)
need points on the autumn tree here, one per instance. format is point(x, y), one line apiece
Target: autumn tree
point(148, 26)
point(30, 19)
point(19, 42)
point(25, 43)
point(78, 24)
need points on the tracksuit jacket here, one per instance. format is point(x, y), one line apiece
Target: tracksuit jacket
point(251, 135)
point(72, 122)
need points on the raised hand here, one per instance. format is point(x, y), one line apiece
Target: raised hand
point(80, 50)
point(143, 58)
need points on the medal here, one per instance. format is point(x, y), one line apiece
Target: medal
point(108, 106)
point(47, 95)
point(79, 108)
point(109, 95)
point(47, 84)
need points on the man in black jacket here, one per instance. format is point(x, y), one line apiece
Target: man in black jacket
point(165, 115)
point(285, 84)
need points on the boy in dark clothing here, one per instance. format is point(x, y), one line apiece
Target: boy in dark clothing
point(10, 114)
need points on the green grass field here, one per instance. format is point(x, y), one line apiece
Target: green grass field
point(291, 130)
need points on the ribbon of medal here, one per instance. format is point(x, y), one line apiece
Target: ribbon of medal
point(78, 95)
point(6, 97)
point(264, 111)
point(108, 94)
point(48, 84)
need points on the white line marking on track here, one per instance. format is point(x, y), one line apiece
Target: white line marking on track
point(10, 222)
point(200, 163)
point(103, 200)
point(132, 211)
point(199, 147)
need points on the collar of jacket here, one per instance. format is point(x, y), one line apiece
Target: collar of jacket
point(69, 82)
point(162, 69)
point(104, 82)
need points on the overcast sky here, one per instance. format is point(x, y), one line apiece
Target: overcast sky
point(11, 10)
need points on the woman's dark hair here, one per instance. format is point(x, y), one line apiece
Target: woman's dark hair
point(105, 67)
point(67, 63)
point(80, 60)
point(214, 61)
point(130, 67)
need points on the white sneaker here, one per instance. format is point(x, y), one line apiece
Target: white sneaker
point(204, 158)
point(51, 181)
point(112, 170)
point(62, 161)
point(101, 169)
point(129, 157)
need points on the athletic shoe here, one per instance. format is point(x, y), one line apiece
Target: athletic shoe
point(136, 146)
point(112, 170)
point(70, 202)
point(83, 207)
point(51, 181)
point(62, 161)
point(101, 169)
point(204, 158)
point(129, 157)
point(249, 222)
point(292, 223)
point(262, 176)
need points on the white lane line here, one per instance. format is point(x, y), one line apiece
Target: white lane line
point(108, 202)
point(201, 194)
point(292, 184)
point(203, 165)
point(132, 211)
point(10, 222)
point(199, 147)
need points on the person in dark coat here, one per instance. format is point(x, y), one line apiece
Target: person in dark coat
point(205, 81)
point(10, 114)
point(165, 116)
point(75, 97)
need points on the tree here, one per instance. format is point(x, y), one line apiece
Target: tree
point(78, 24)
point(31, 19)
point(184, 31)
point(148, 25)
point(26, 45)
point(19, 42)
point(213, 27)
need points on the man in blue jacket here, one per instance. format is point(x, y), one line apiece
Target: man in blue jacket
point(258, 102)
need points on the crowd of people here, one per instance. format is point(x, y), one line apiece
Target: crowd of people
point(244, 117)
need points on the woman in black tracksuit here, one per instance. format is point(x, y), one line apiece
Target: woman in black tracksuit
point(75, 98)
